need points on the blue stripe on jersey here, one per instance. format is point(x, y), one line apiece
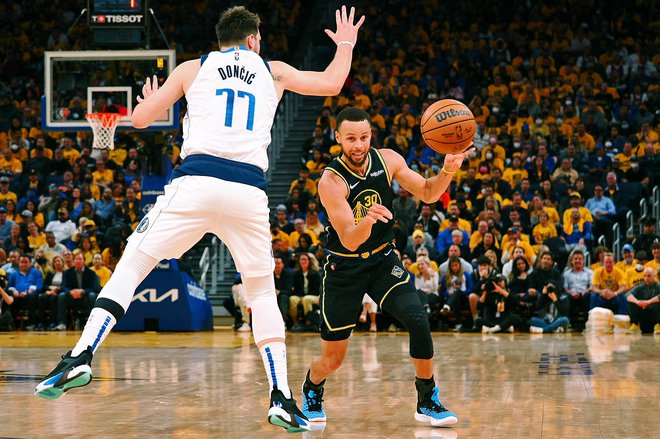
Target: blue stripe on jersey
point(202, 59)
point(224, 169)
point(267, 66)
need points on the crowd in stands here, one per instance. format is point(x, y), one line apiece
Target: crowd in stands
point(565, 97)
point(66, 209)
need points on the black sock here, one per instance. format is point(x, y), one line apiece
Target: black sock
point(308, 382)
point(424, 388)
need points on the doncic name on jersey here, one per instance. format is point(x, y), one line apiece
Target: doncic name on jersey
point(234, 71)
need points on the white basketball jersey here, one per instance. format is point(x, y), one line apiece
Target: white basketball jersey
point(231, 107)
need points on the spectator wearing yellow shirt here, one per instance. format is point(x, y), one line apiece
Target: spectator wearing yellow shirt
point(299, 225)
point(544, 229)
point(608, 287)
point(362, 100)
point(68, 151)
point(498, 89)
point(625, 157)
point(575, 199)
point(377, 119)
point(586, 140)
point(102, 175)
point(496, 150)
point(316, 164)
point(41, 142)
point(405, 113)
point(628, 260)
point(655, 262)
point(101, 271)
point(515, 173)
point(514, 238)
point(36, 238)
point(464, 225)
point(303, 182)
point(10, 163)
point(478, 236)
point(635, 275)
point(20, 152)
point(5, 193)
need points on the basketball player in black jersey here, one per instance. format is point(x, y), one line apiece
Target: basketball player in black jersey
point(357, 194)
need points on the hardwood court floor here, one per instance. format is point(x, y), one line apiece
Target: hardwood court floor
point(212, 385)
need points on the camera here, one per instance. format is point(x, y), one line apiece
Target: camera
point(489, 283)
point(551, 288)
point(3, 281)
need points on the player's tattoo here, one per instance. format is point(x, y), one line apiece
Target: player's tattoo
point(277, 77)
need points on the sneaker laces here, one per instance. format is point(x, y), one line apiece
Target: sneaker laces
point(314, 399)
point(434, 403)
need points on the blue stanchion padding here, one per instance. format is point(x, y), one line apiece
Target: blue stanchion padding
point(168, 300)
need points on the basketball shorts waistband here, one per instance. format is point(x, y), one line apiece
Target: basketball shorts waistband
point(224, 169)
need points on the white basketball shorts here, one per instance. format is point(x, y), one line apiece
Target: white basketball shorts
point(194, 205)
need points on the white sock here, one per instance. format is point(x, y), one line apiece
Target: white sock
point(273, 355)
point(98, 326)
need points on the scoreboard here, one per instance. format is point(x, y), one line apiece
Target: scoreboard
point(117, 13)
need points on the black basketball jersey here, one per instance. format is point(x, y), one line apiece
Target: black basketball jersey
point(374, 187)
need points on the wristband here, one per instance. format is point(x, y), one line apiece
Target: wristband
point(447, 172)
point(346, 42)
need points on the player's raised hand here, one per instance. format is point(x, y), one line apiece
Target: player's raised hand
point(453, 162)
point(346, 30)
point(148, 88)
point(378, 212)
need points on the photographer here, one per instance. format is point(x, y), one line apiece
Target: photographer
point(5, 314)
point(541, 276)
point(482, 277)
point(552, 308)
point(497, 307)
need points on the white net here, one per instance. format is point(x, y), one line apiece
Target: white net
point(103, 126)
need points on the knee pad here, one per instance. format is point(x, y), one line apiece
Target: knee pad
point(407, 309)
point(267, 321)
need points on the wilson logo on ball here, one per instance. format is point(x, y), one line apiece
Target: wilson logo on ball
point(444, 115)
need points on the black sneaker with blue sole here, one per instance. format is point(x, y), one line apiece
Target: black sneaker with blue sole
point(72, 372)
point(285, 413)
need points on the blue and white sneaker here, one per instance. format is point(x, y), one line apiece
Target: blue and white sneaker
point(431, 411)
point(285, 413)
point(312, 403)
point(72, 372)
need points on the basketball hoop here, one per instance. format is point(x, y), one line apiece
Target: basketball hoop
point(103, 126)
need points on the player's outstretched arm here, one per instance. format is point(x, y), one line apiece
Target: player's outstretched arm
point(333, 191)
point(428, 190)
point(156, 100)
point(330, 81)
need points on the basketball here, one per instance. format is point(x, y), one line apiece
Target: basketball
point(448, 126)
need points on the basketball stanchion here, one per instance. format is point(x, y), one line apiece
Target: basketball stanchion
point(103, 125)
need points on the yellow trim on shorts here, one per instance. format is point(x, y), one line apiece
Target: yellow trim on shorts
point(325, 319)
point(348, 187)
point(387, 171)
point(393, 287)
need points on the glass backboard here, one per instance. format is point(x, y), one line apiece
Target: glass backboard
point(81, 82)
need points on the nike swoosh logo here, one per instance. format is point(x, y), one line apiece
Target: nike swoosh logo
point(388, 252)
point(352, 186)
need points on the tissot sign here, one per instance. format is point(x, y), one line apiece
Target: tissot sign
point(123, 19)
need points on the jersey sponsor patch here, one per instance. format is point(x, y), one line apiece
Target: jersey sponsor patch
point(144, 225)
point(397, 272)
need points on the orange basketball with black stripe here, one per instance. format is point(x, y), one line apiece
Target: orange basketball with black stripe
point(448, 126)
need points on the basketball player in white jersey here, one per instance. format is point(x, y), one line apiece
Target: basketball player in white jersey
point(219, 188)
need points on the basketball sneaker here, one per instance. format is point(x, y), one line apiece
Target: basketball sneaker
point(312, 401)
point(70, 373)
point(429, 408)
point(285, 413)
